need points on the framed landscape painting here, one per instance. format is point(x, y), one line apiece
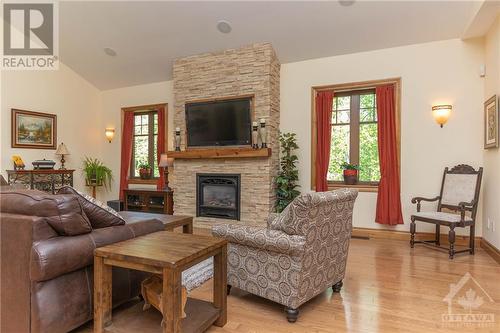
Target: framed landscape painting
point(491, 123)
point(33, 130)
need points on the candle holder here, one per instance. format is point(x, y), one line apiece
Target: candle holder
point(263, 133)
point(177, 139)
point(255, 135)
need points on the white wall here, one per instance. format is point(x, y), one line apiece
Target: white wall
point(431, 73)
point(491, 183)
point(76, 104)
point(112, 102)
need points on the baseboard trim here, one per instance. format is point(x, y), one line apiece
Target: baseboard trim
point(405, 236)
point(491, 250)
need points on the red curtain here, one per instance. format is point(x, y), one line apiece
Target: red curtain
point(324, 102)
point(389, 193)
point(160, 145)
point(126, 154)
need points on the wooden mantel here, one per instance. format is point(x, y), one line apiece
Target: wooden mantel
point(220, 153)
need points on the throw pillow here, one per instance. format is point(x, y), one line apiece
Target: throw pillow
point(99, 214)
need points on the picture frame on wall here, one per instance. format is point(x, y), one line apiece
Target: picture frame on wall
point(33, 130)
point(491, 123)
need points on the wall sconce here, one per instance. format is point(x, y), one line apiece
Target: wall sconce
point(441, 113)
point(110, 134)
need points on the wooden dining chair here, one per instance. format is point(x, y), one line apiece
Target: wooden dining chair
point(457, 207)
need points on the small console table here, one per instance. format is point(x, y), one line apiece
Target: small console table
point(47, 180)
point(149, 200)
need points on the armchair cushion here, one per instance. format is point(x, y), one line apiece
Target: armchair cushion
point(441, 216)
point(261, 238)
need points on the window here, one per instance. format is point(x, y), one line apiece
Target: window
point(354, 129)
point(354, 136)
point(144, 142)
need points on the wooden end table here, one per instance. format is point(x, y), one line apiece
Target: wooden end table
point(168, 254)
point(169, 221)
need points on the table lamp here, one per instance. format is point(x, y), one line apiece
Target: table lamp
point(61, 151)
point(165, 163)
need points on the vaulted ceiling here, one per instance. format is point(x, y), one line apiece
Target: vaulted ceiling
point(148, 36)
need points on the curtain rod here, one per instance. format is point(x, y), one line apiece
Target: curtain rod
point(359, 86)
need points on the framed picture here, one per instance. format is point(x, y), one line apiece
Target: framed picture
point(491, 123)
point(33, 130)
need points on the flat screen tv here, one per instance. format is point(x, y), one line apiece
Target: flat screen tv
point(219, 123)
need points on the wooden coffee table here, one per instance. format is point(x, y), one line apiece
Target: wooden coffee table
point(169, 221)
point(169, 254)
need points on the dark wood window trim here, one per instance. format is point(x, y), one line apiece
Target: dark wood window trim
point(146, 109)
point(348, 88)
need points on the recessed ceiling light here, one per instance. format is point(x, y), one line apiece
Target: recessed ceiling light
point(224, 26)
point(347, 3)
point(109, 51)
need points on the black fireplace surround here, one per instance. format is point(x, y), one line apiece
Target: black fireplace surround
point(218, 195)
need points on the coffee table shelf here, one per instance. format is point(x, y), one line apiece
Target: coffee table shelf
point(200, 315)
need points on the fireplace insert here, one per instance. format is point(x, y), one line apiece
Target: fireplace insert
point(218, 195)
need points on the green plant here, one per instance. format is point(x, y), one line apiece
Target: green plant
point(96, 173)
point(348, 166)
point(144, 166)
point(286, 182)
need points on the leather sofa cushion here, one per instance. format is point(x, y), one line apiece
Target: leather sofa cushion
point(56, 256)
point(64, 213)
point(99, 214)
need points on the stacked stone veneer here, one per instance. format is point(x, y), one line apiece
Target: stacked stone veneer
point(252, 70)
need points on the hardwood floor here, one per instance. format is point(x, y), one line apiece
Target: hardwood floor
point(388, 288)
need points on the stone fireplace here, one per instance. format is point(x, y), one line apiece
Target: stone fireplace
point(218, 195)
point(248, 71)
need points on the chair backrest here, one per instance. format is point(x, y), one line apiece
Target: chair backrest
point(460, 184)
point(314, 209)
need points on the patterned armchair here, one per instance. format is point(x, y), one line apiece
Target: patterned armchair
point(300, 253)
point(460, 189)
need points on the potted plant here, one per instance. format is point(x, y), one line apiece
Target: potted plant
point(96, 173)
point(145, 170)
point(350, 173)
point(286, 182)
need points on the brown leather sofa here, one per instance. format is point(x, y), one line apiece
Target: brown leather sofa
point(47, 278)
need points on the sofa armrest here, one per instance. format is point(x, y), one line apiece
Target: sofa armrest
point(16, 238)
point(261, 238)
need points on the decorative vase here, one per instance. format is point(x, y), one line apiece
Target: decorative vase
point(350, 176)
point(263, 133)
point(145, 173)
point(177, 139)
point(255, 135)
